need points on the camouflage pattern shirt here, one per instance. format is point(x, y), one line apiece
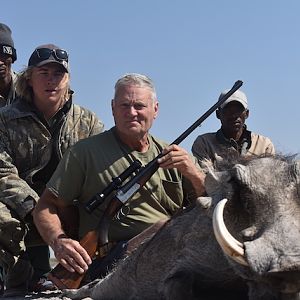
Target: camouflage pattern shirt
point(12, 92)
point(30, 148)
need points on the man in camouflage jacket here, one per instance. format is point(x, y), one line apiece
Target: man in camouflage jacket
point(31, 145)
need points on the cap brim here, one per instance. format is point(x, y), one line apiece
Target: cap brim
point(49, 61)
point(245, 105)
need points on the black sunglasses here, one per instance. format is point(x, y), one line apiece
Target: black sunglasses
point(42, 54)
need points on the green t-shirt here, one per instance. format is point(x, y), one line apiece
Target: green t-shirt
point(88, 168)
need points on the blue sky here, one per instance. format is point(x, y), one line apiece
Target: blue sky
point(192, 49)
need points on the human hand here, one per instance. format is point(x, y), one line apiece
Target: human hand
point(176, 157)
point(71, 254)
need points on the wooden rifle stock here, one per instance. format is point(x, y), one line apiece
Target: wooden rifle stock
point(60, 276)
point(65, 279)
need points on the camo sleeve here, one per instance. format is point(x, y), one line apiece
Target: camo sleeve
point(14, 192)
point(97, 125)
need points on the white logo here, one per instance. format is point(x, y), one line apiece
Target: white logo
point(65, 64)
point(7, 50)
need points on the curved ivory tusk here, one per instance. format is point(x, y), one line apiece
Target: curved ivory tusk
point(231, 247)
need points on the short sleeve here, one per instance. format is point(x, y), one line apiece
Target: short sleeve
point(67, 180)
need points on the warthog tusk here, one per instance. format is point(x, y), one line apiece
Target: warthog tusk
point(231, 247)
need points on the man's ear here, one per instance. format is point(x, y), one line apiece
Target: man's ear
point(247, 114)
point(218, 113)
point(155, 109)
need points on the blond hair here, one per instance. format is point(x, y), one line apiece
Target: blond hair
point(24, 90)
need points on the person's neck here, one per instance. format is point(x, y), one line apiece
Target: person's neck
point(137, 144)
point(48, 112)
point(233, 135)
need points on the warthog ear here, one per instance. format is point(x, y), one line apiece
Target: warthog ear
point(240, 172)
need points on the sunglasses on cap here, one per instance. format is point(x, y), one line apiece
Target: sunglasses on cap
point(42, 54)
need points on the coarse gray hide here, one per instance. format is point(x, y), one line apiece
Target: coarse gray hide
point(185, 261)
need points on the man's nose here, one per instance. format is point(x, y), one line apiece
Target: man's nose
point(50, 79)
point(132, 109)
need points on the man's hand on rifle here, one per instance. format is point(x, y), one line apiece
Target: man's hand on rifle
point(176, 157)
point(71, 254)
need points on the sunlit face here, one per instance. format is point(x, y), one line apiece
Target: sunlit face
point(49, 84)
point(134, 111)
point(5, 66)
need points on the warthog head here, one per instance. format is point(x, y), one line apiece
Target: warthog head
point(257, 220)
point(257, 226)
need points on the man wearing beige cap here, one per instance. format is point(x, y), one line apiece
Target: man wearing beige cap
point(233, 139)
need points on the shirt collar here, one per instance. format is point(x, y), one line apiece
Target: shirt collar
point(242, 145)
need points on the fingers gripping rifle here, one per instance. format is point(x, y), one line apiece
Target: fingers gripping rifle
point(97, 238)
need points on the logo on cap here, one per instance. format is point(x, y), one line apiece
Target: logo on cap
point(7, 50)
point(65, 64)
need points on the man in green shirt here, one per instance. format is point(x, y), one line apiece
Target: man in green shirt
point(89, 167)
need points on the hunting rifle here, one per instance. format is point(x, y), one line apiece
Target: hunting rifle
point(98, 237)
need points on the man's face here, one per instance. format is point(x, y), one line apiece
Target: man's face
point(233, 117)
point(48, 83)
point(134, 111)
point(5, 66)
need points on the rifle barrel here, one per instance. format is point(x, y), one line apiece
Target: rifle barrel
point(235, 87)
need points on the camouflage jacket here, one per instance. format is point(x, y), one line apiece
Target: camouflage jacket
point(27, 144)
point(12, 92)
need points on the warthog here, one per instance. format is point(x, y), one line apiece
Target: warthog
point(256, 255)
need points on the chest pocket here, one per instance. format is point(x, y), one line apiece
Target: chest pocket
point(172, 199)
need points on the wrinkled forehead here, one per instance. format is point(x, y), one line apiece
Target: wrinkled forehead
point(133, 92)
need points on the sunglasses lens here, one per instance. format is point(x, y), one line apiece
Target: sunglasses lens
point(43, 53)
point(61, 54)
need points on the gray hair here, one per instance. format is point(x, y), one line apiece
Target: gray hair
point(138, 80)
point(24, 90)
